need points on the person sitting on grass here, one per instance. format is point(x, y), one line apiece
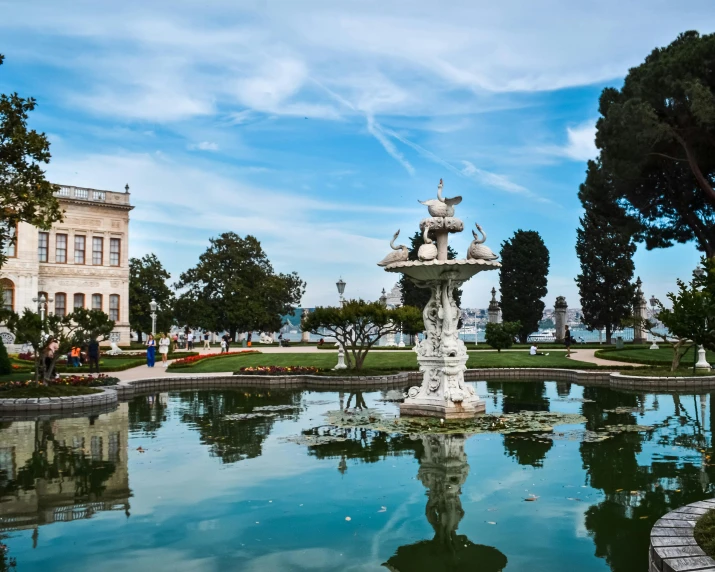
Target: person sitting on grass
point(534, 351)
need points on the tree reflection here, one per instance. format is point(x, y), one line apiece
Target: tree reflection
point(147, 413)
point(636, 495)
point(234, 440)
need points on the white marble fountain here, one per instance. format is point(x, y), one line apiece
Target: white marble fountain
point(441, 354)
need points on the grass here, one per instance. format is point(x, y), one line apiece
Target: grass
point(663, 356)
point(705, 532)
point(384, 361)
point(47, 391)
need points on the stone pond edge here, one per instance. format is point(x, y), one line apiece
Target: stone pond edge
point(672, 543)
point(127, 389)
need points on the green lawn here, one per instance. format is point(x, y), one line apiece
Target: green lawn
point(47, 391)
point(665, 372)
point(383, 361)
point(663, 356)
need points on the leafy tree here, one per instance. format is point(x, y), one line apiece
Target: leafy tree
point(418, 297)
point(234, 288)
point(501, 336)
point(522, 281)
point(25, 194)
point(77, 328)
point(657, 141)
point(605, 247)
point(147, 282)
point(692, 316)
point(358, 325)
point(5, 365)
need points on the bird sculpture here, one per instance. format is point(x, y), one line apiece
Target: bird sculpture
point(428, 251)
point(441, 207)
point(400, 255)
point(477, 250)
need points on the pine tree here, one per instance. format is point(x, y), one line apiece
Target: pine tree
point(5, 365)
point(525, 267)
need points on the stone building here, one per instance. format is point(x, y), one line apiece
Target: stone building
point(80, 262)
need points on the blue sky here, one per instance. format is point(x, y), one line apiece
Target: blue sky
point(316, 126)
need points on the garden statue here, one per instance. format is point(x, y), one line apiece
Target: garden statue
point(401, 253)
point(441, 354)
point(477, 250)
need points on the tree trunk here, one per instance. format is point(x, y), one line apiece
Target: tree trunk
point(609, 334)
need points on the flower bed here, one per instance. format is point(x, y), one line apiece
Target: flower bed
point(67, 380)
point(278, 370)
point(192, 360)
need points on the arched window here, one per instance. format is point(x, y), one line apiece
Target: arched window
point(114, 307)
point(96, 301)
point(8, 294)
point(60, 304)
point(78, 301)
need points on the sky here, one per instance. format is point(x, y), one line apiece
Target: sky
point(317, 125)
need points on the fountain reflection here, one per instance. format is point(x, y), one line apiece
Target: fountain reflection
point(62, 469)
point(443, 470)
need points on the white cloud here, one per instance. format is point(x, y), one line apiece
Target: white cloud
point(205, 146)
point(375, 129)
point(581, 144)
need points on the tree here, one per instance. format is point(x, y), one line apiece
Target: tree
point(234, 288)
point(413, 295)
point(657, 140)
point(147, 282)
point(358, 325)
point(692, 316)
point(525, 266)
point(501, 336)
point(77, 328)
point(605, 248)
point(5, 365)
point(25, 194)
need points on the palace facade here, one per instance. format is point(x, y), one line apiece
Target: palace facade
point(81, 262)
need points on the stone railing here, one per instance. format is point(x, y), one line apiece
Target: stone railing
point(91, 195)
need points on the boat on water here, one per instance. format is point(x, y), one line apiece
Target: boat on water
point(548, 335)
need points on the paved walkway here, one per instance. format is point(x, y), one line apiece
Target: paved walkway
point(158, 371)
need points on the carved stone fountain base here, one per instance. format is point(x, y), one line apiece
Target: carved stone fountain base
point(443, 392)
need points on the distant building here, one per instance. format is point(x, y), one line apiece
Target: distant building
point(81, 262)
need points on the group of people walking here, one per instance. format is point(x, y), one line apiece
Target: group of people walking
point(151, 344)
point(164, 343)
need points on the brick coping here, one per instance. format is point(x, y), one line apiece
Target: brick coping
point(126, 389)
point(672, 544)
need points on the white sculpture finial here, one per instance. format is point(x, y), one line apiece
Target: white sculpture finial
point(441, 207)
point(477, 250)
point(400, 255)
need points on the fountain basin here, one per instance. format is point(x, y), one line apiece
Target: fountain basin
point(461, 270)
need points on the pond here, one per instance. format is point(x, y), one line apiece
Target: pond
point(186, 481)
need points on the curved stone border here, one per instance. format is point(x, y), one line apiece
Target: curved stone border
point(106, 396)
point(672, 544)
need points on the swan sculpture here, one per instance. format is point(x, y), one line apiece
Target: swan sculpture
point(428, 251)
point(441, 207)
point(477, 250)
point(400, 255)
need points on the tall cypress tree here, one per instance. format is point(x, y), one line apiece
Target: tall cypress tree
point(522, 280)
point(605, 247)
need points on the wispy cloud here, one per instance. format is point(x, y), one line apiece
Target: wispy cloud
point(580, 144)
point(205, 146)
point(374, 128)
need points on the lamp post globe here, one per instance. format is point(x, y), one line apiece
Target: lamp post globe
point(341, 289)
point(153, 306)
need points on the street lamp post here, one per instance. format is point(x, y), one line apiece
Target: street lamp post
point(42, 305)
point(702, 362)
point(341, 289)
point(653, 304)
point(153, 306)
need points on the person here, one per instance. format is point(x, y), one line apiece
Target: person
point(567, 341)
point(164, 344)
point(223, 345)
point(227, 337)
point(534, 351)
point(321, 341)
point(189, 340)
point(75, 356)
point(250, 335)
point(207, 345)
point(93, 355)
point(150, 351)
point(50, 350)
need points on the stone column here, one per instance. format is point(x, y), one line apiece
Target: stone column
point(640, 313)
point(493, 311)
point(560, 311)
point(305, 335)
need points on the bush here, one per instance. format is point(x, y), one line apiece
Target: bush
point(194, 359)
point(501, 336)
point(69, 380)
point(5, 366)
point(705, 532)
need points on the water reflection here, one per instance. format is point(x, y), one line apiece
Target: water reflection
point(54, 470)
point(443, 470)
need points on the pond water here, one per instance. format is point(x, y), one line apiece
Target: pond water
point(180, 481)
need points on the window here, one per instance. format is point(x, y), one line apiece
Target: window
point(60, 304)
point(8, 294)
point(78, 301)
point(115, 247)
point(97, 251)
point(79, 245)
point(114, 307)
point(61, 248)
point(10, 247)
point(42, 244)
point(96, 301)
